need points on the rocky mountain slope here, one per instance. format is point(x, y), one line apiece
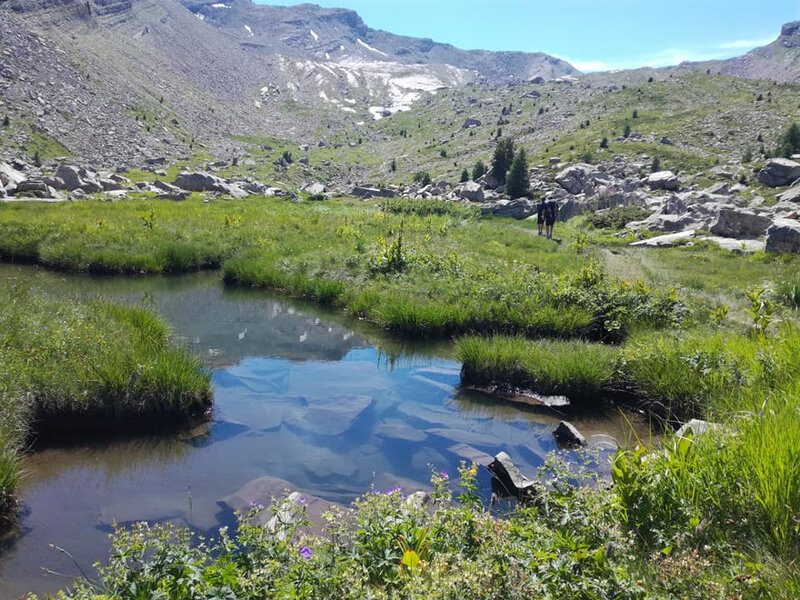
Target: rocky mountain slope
point(779, 61)
point(125, 80)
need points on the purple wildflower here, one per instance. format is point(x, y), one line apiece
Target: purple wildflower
point(306, 552)
point(302, 499)
point(444, 474)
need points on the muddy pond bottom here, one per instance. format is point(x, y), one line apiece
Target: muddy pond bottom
point(301, 395)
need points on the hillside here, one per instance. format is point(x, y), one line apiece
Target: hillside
point(124, 80)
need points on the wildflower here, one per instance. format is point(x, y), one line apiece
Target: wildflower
point(302, 499)
point(306, 552)
point(444, 474)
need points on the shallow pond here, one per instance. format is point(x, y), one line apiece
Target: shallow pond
point(302, 394)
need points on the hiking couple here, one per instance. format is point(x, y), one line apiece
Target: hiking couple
point(546, 213)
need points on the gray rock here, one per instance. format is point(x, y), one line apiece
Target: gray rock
point(55, 182)
point(786, 210)
point(509, 482)
point(314, 189)
point(465, 437)
point(669, 239)
point(740, 223)
point(197, 181)
point(166, 187)
point(697, 428)
point(575, 178)
point(519, 208)
point(470, 191)
point(663, 180)
point(666, 141)
point(400, 431)
point(783, 236)
point(567, 434)
point(568, 209)
point(9, 176)
point(790, 195)
point(110, 185)
point(372, 192)
point(471, 122)
point(70, 176)
point(470, 454)
point(35, 187)
point(779, 172)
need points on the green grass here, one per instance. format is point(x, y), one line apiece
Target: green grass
point(578, 370)
point(69, 366)
point(427, 269)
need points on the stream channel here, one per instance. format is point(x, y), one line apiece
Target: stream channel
point(302, 394)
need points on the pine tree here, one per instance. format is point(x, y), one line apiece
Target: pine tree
point(464, 176)
point(517, 179)
point(502, 159)
point(393, 166)
point(604, 142)
point(655, 166)
point(627, 131)
point(789, 142)
point(478, 171)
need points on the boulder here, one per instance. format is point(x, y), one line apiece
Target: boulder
point(370, 192)
point(663, 180)
point(567, 434)
point(9, 176)
point(790, 195)
point(471, 191)
point(669, 239)
point(519, 208)
point(198, 181)
point(55, 182)
point(471, 122)
point(166, 187)
point(509, 482)
point(110, 185)
point(786, 210)
point(35, 187)
point(569, 208)
point(779, 172)
point(661, 222)
point(740, 223)
point(70, 176)
point(697, 428)
point(783, 236)
point(314, 189)
point(575, 178)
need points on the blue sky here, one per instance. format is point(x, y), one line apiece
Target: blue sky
point(591, 34)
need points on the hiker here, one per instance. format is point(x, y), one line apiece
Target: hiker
point(550, 214)
point(540, 210)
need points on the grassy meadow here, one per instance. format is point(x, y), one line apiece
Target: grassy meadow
point(680, 333)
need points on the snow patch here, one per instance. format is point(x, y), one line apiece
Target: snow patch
point(370, 48)
point(200, 16)
point(248, 30)
point(348, 109)
point(327, 56)
point(313, 35)
point(324, 96)
point(219, 5)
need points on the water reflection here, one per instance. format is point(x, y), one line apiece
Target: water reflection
point(302, 395)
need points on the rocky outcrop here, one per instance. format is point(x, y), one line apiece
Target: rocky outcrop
point(519, 208)
point(198, 181)
point(740, 223)
point(663, 180)
point(779, 172)
point(783, 236)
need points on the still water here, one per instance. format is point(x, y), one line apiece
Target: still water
point(324, 403)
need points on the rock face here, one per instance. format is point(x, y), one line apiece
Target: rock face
point(663, 180)
point(779, 172)
point(791, 195)
point(740, 223)
point(783, 236)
